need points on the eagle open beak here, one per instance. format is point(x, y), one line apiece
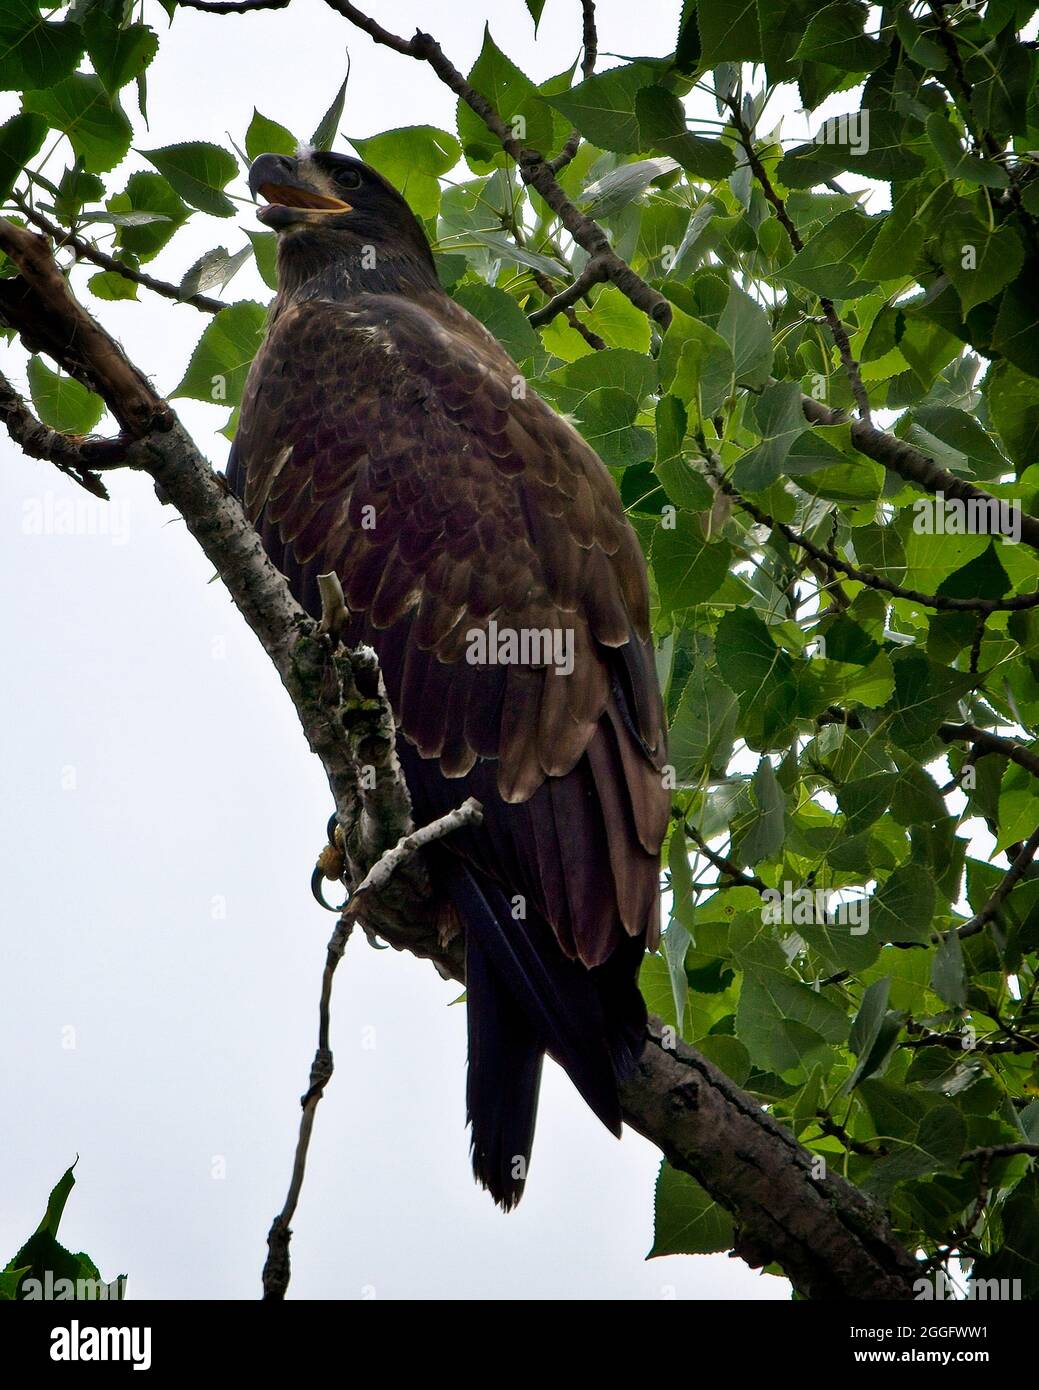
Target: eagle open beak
point(289, 200)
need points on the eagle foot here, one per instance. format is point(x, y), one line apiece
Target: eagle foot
point(331, 864)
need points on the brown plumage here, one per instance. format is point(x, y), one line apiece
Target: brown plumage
point(386, 435)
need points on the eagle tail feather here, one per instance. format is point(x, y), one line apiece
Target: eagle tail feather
point(524, 998)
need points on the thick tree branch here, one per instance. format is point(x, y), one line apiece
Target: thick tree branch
point(39, 305)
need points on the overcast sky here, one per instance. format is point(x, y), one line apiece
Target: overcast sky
point(161, 815)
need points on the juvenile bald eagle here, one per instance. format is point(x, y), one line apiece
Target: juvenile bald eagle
point(483, 551)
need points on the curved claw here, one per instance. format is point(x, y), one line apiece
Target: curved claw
point(375, 943)
point(317, 879)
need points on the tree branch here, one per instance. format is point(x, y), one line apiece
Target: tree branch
point(87, 251)
point(534, 169)
point(834, 563)
point(77, 456)
point(590, 43)
point(833, 319)
point(909, 463)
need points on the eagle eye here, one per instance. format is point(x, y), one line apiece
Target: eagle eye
point(349, 178)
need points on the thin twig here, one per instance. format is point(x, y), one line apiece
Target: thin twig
point(731, 870)
point(1007, 883)
point(590, 43)
point(276, 1270)
point(89, 252)
point(77, 456)
point(831, 561)
point(833, 319)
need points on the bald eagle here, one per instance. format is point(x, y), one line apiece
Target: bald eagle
point(484, 554)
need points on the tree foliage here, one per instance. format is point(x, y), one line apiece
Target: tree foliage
point(807, 444)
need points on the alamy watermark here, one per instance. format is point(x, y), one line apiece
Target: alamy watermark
point(967, 516)
point(524, 646)
point(792, 906)
point(51, 515)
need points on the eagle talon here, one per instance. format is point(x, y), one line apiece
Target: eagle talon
point(331, 864)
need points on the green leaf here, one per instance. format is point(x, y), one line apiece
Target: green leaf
point(872, 1034)
point(687, 1221)
point(413, 158)
point(919, 44)
point(760, 673)
point(607, 420)
point(931, 1144)
point(728, 31)
point(519, 255)
point(118, 55)
point(957, 163)
point(44, 1260)
point(963, 444)
point(617, 321)
point(500, 313)
point(835, 37)
point(764, 838)
point(603, 108)
point(1013, 401)
point(216, 267)
point(683, 484)
point(328, 127)
point(20, 140)
point(661, 121)
point(94, 122)
point(198, 172)
point(902, 908)
point(696, 363)
point(703, 727)
point(979, 262)
point(265, 249)
point(688, 567)
point(516, 99)
point(745, 327)
point(265, 136)
point(33, 53)
point(148, 192)
point(829, 264)
point(61, 402)
point(948, 979)
point(925, 694)
point(781, 1020)
point(110, 285)
point(1016, 332)
point(780, 421)
point(220, 362)
point(536, 8)
point(621, 186)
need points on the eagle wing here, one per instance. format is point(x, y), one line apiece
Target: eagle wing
point(395, 443)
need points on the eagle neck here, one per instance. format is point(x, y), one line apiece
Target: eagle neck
point(347, 277)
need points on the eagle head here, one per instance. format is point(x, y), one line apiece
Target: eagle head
point(335, 210)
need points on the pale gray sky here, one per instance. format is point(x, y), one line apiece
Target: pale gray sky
point(160, 819)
